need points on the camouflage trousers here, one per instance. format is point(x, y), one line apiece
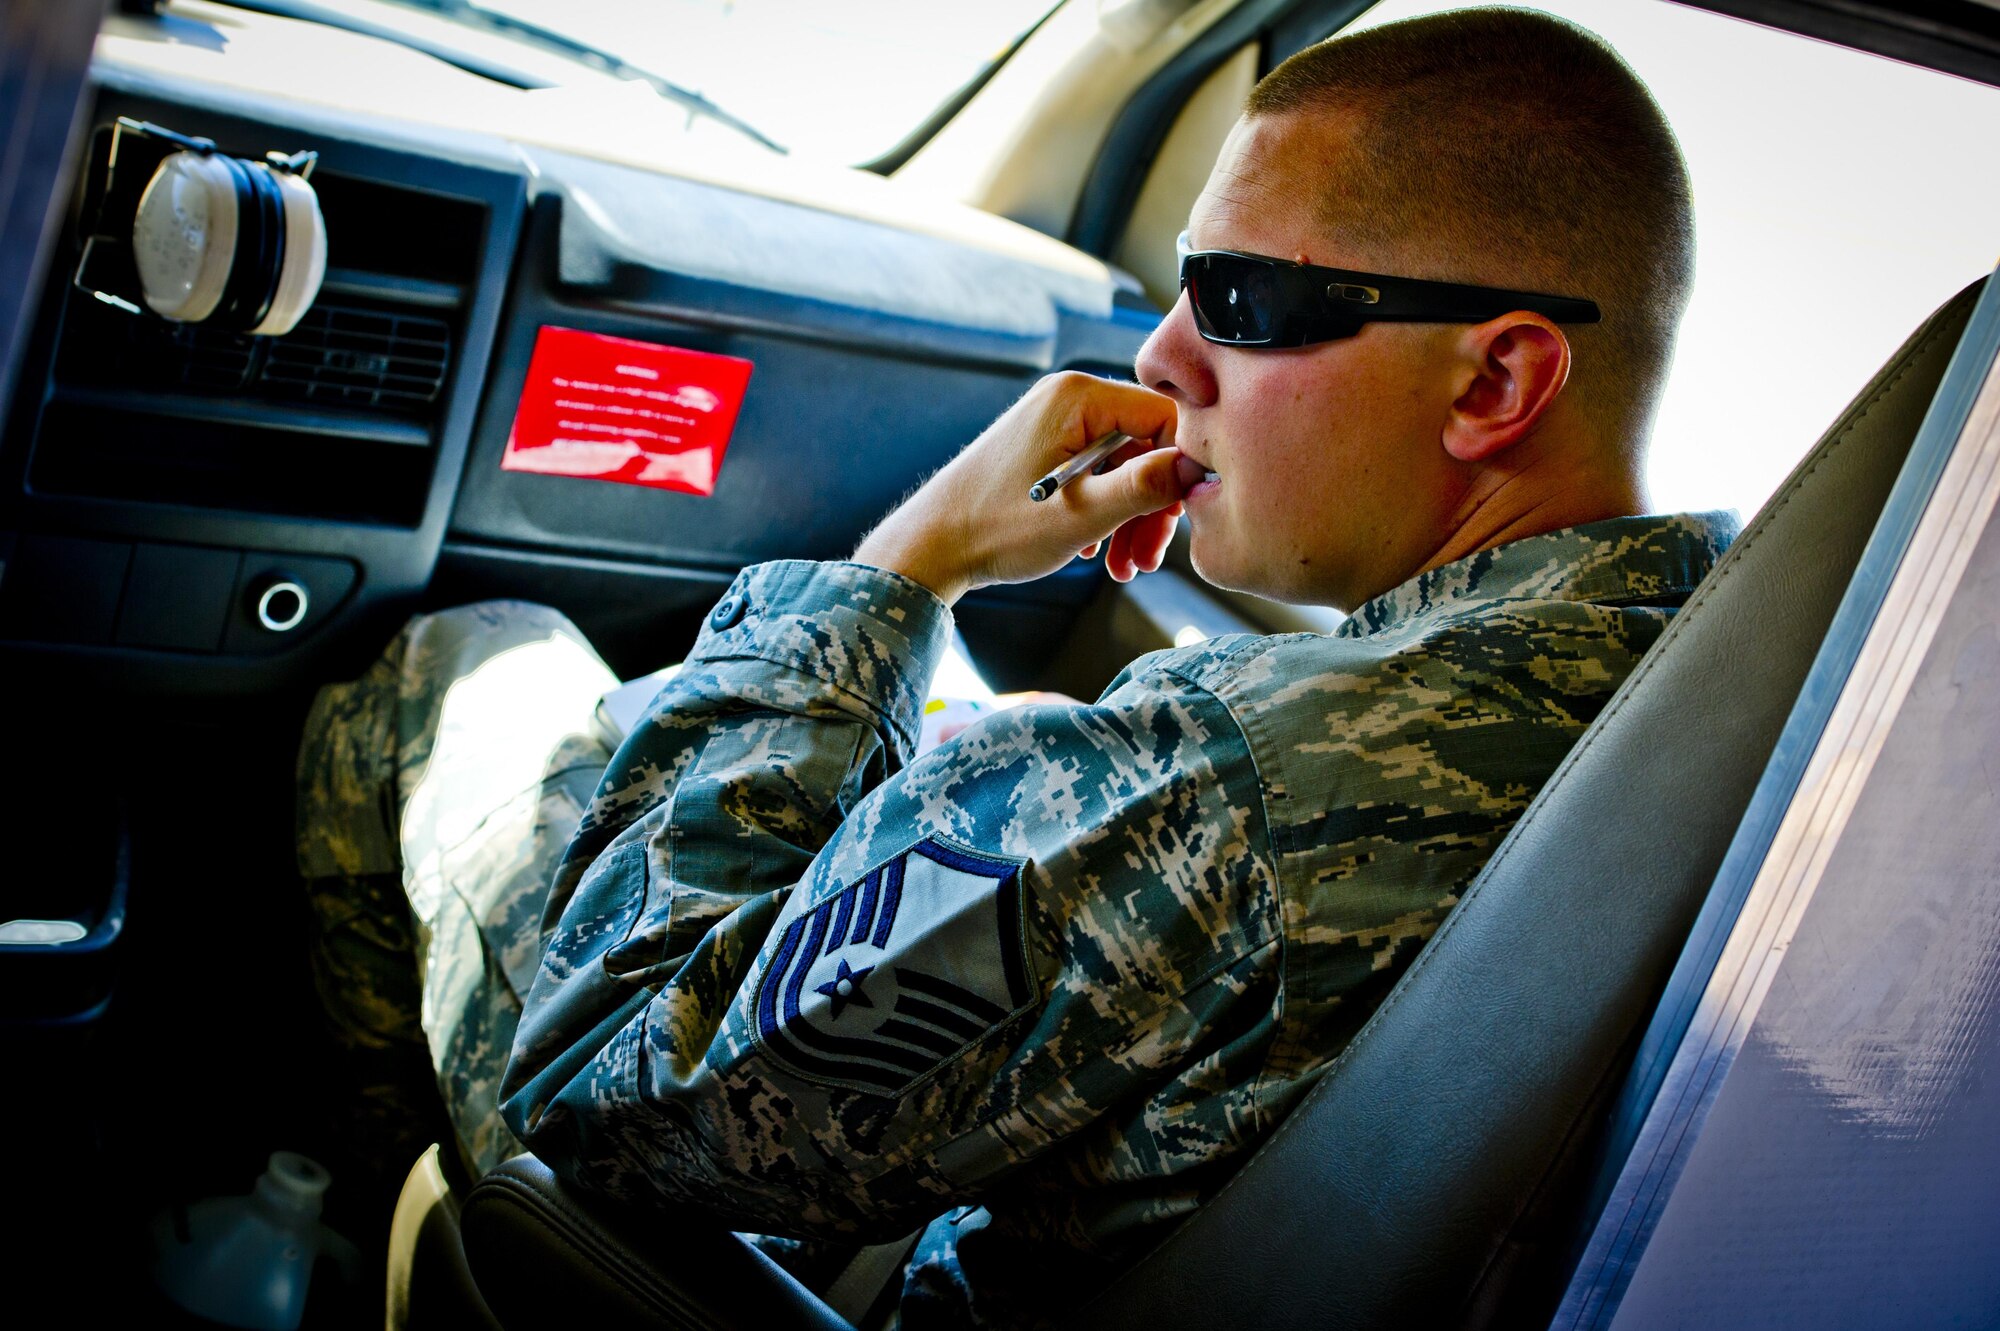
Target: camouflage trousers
point(435, 795)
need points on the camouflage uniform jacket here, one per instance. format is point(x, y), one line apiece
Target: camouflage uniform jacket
point(1062, 972)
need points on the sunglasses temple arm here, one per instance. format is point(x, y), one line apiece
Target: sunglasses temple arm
point(1446, 303)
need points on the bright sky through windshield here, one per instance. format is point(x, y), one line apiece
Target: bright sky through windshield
point(841, 80)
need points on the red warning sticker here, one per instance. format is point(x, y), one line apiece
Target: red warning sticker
point(615, 409)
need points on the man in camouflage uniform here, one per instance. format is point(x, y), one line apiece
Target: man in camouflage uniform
point(1040, 990)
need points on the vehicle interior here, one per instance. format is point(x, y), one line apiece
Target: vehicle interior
point(199, 527)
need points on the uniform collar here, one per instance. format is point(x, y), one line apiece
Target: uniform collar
point(1617, 561)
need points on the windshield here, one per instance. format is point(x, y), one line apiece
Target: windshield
point(839, 80)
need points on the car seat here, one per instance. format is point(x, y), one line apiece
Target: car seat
point(1440, 1171)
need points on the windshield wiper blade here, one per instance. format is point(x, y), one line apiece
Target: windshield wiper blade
point(581, 52)
point(584, 53)
point(308, 12)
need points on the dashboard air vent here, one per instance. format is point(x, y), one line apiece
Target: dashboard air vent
point(348, 351)
point(363, 358)
point(338, 419)
point(208, 358)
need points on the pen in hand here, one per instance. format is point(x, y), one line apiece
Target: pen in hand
point(1076, 466)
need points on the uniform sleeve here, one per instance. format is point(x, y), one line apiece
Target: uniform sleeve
point(813, 988)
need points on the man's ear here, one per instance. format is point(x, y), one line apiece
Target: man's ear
point(1513, 368)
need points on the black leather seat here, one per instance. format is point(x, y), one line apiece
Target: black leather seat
point(1436, 1174)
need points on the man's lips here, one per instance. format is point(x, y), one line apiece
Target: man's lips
point(1191, 473)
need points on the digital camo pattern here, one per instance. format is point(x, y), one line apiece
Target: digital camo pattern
point(1227, 861)
point(436, 794)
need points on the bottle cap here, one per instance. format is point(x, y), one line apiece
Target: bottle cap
point(294, 1183)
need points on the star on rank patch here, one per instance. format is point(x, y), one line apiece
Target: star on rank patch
point(845, 987)
point(898, 973)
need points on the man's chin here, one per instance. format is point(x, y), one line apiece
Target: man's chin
point(1218, 566)
point(1221, 564)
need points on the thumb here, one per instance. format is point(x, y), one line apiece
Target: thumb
point(1146, 484)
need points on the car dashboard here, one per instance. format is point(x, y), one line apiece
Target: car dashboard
point(187, 511)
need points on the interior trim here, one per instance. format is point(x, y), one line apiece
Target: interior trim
point(1125, 159)
point(43, 63)
point(1959, 37)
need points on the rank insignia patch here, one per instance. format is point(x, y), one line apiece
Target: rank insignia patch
point(897, 973)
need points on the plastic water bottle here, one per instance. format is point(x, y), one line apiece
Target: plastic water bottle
point(246, 1261)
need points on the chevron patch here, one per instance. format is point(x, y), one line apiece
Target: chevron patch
point(882, 983)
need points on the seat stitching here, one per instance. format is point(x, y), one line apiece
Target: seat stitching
point(605, 1256)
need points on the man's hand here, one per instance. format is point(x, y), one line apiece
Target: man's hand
point(972, 524)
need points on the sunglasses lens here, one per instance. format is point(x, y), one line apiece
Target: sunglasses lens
point(1233, 298)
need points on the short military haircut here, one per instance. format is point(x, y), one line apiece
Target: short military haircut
point(1510, 148)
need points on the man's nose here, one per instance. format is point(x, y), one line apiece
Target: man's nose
point(1176, 361)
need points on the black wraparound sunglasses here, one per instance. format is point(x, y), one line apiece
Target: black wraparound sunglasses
point(1253, 300)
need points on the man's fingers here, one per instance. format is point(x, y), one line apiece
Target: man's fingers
point(972, 523)
point(1141, 544)
point(1150, 536)
point(1100, 406)
point(1144, 484)
point(1118, 555)
point(1137, 502)
point(1127, 452)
